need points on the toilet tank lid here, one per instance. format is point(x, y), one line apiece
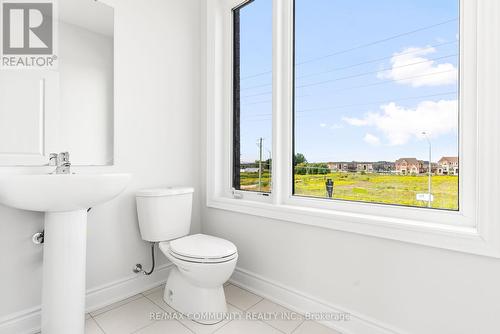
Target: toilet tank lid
point(167, 191)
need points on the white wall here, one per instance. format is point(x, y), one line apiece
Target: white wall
point(417, 289)
point(156, 139)
point(413, 289)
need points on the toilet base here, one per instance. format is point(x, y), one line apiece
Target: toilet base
point(203, 305)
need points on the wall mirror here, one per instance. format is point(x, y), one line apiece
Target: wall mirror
point(69, 107)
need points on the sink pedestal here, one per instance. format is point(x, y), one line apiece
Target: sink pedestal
point(64, 198)
point(64, 261)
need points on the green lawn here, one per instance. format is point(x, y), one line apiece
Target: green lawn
point(375, 188)
point(250, 181)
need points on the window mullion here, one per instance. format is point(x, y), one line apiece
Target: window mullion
point(282, 98)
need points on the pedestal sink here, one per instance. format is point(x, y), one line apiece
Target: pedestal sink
point(65, 199)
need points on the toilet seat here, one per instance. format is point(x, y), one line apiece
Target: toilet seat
point(203, 260)
point(200, 248)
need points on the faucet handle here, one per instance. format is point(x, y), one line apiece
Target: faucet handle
point(52, 159)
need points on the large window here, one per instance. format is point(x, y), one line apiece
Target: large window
point(376, 101)
point(382, 116)
point(252, 96)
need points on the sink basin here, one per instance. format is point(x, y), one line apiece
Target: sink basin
point(65, 199)
point(60, 192)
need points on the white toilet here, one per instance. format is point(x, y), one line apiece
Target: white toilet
point(202, 263)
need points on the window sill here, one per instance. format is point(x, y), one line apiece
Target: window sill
point(456, 238)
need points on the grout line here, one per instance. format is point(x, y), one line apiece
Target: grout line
point(236, 307)
point(302, 314)
point(242, 288)
point(189, 329)
point(118, 306)
point(218, 329)
point(261, 299)
point(152, 301)
point(156, 304)
point(300, 324)
point(295, 330)
point(154, 322)
point(278, 329)
point(102, 329)
point(151, 292)
point(290, 311)
point(139, 329)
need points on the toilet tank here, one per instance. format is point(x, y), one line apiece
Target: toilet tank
point(164, 213)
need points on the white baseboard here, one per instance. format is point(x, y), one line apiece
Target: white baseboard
point(303, 303)
point(28, 321)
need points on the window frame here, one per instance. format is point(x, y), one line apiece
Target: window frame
point(252, 194)
point(471, 229)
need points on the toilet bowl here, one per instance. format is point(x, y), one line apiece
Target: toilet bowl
point(202, 263)
point(195, 285)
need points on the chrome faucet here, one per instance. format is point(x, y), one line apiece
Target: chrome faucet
point(61, 161)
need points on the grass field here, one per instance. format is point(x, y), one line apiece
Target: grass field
point(374, 188)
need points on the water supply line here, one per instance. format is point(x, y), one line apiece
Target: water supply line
point(38, 238)
point(138, 266)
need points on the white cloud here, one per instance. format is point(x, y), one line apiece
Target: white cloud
point(371, 139)
point(399, 124)
point(323, 125)
point(409, 67)
point(355, 121)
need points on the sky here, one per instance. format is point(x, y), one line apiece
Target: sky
point(370, 77)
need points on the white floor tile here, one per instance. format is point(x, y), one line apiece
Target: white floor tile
point(153, 290)
point(247, 327)
point(129, 317)
point(115, 305)
point(276, 315)
point(91, 327)
point(133, 315)
point(208, 329)
point(311, 327)
point(240, 298)
point(164, 327)
point(157, 298)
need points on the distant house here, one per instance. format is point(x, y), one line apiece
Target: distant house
point(406, 166)
point(366, 167)
point(448, 166)
point(434, 167)
point(334, 166)
point(384, 166)
point(342, 166)
point(249, 170)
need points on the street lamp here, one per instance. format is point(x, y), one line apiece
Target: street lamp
point(429, 198)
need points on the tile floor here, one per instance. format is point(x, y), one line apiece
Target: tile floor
point(132, 315)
